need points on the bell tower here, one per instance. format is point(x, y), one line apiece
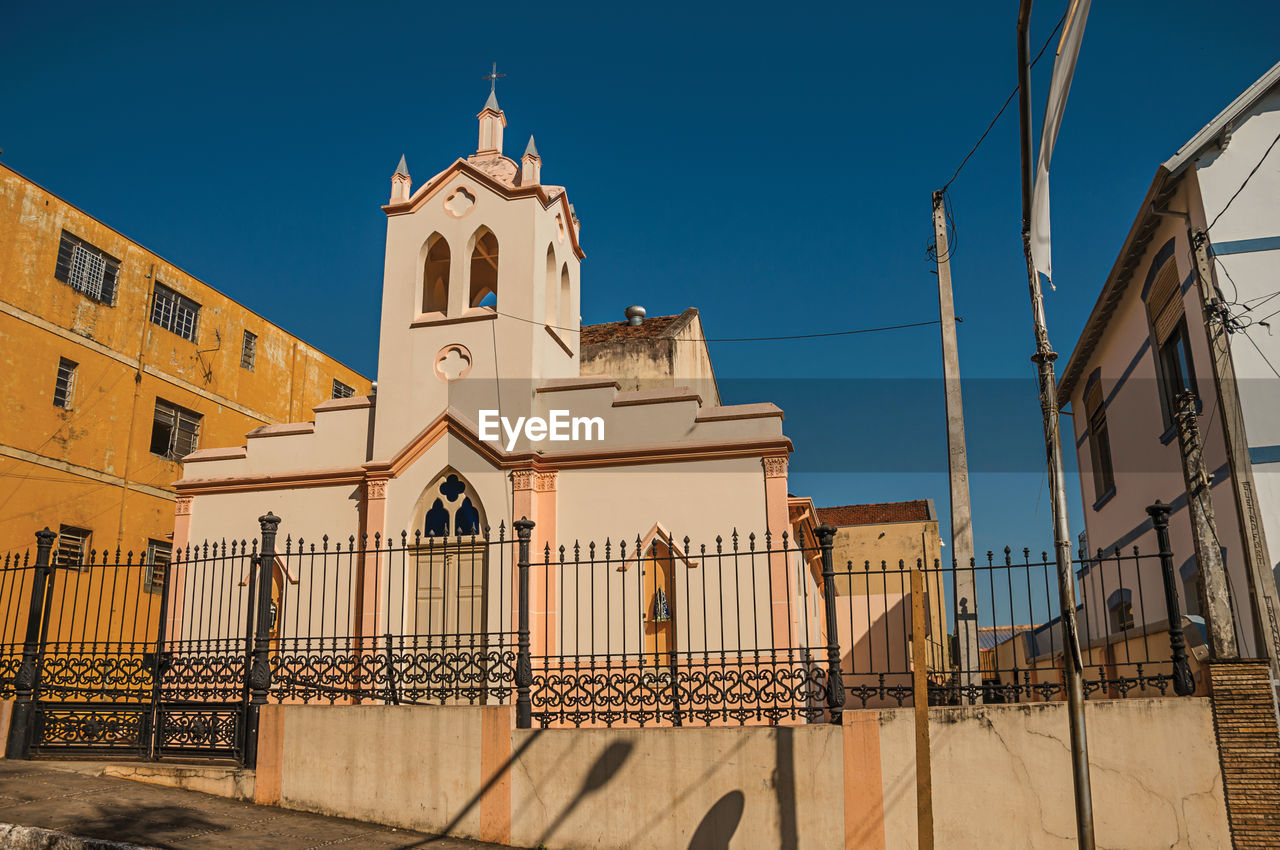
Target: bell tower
point(480, 294)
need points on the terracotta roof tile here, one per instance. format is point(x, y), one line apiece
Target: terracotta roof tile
point(873, 514)
point(651, 328)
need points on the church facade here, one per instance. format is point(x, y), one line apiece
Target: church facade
point(480, 320)
point(480, 329)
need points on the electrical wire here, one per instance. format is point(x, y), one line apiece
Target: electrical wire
point(1007, 101)
point(752, 338)
point(1245, 183)
point(1263, 356)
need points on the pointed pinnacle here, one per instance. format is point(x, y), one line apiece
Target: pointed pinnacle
point(531, 149)
point(402, 168)
point(492, 102)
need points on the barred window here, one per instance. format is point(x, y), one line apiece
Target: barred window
point(175, 431)
point(341, 390)
point(174, 312)
point(73, 546)
point(159, 553)
point(64, 386)
point(248, 350)
point(87, 269)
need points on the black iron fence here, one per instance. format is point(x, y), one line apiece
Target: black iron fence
point(116, 653)
point(662, 631)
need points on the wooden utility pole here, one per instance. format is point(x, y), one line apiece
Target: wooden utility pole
point(970, 676)
point(1262, 583)
point(1215, 598)
point(920, 697)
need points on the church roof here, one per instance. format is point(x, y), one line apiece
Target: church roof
point(492, 102)
point(402, 168)
point(653, 327)
point(917, 510)
point(531, 149)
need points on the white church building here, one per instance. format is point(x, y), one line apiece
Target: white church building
point(484, 414)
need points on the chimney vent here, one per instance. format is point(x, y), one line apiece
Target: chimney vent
point(635, 315)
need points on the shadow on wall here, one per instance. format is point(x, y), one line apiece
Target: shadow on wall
point(784, 784)
point(719, 824)
point(605, 768)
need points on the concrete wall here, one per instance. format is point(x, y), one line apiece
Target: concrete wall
point(1001, 777)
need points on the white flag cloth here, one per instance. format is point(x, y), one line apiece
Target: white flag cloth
point(1064, 66)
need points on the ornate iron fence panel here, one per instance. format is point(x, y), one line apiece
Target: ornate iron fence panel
point(104, 668)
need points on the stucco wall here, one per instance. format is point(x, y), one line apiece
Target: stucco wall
point(91, 466)
point(1001, 777)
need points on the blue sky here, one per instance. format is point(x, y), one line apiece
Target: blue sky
point(770, 165)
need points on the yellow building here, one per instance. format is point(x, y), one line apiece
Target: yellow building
point(114, 364)
point(875, 548)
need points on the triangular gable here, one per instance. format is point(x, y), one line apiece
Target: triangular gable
point(278, 562)
point(461, 166)
point(656, 534)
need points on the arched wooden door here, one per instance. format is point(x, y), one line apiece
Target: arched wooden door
point(448, 612)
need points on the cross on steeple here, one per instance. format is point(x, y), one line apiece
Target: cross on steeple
point(492, 77)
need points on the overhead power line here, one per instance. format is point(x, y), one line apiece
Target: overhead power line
point(1007, 101)
point(1245, 183)
point(780, 338)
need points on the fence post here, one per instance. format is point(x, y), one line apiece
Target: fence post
point(25, 681)
point(159, 664)
point(524, 666)
point(260, 671)
point(1183, 683)
point(835, 679)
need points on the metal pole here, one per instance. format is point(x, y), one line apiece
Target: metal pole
point(958, 468)
point(1183, 683)
point(260, 672)
point(1044, 358)
point(835, 679)
point(524, 666)
point(25, 680)
point(1218, 616)
point(159, 666)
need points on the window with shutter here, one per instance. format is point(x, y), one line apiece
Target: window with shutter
point(248, 350)
point(1104, 481)
point(73, 547)
point(174, 312)
point(159, 553)
point(175, 431)
point(87, 269)
point(1170, 341)
point(64, 386)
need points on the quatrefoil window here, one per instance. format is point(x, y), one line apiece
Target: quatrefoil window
point(452, 363)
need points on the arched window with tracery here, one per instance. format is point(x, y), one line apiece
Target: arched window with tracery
point(435, 276)
point(484, 270)
point(452, 509)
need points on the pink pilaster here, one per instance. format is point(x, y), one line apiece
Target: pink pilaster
point(777, 515)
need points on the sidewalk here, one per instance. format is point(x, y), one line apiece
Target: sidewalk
point(32, 794)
